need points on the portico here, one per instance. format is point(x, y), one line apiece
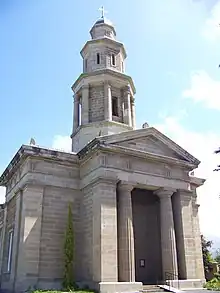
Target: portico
point(146, 234)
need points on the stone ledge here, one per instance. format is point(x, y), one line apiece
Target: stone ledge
point(115, 287)
point(187, 284)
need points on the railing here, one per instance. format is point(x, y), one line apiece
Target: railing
point(171, 278)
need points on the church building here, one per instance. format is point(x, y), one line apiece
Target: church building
point(134, 202)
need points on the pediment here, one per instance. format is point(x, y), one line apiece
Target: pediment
point(152, 141)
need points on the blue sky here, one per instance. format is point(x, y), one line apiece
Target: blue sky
point(173, 55)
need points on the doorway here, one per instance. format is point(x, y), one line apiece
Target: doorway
point(147, 244)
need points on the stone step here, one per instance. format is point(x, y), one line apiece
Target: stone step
point(152, 288)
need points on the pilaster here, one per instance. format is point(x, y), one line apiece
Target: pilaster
point(125, 234)
point(182, 202)
point(168, 240)
point(3, 240)
point(16, 238)
point(105, 258)
point(30, 237)
point(197, 238)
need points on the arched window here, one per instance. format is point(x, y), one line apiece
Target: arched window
point(98, 58)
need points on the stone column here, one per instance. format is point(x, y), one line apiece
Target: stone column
point(133, 116)
point(76, 113)
point(85, 105)
point(127, 105)
point(107, 102)
point(126, 236)
point(168, 241)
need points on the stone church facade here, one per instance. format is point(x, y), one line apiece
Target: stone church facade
point(134, 205)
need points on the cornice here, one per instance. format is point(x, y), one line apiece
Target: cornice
point(96, 145)
point(104, 40)
point(26, 151)
point(105, 71)
point(146, 155)
point(140, 133)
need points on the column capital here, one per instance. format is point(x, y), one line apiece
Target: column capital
point(107, 83)
point(164, 192)
point(127, 89)
point(185, 195)
point(125, 186)
point(132, 100)
point(76, 98)
point(85, 86)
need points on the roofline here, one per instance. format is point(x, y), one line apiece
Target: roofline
point(140, 133)
point(105, 71)
point(197, 181)
point(97, 143)
point(26, 151)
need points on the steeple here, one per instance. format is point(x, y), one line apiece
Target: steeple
point(103, 93)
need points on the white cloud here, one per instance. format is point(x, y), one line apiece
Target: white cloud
point(202, 146)
point(204, 89)
point(62, 143)
point(211, 29)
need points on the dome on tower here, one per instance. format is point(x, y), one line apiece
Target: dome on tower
point(103, 20)
point(103, 27)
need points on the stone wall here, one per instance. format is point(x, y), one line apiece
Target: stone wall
point(86, 253)
point(96, 103)
point(105, 53)
point(54, 221)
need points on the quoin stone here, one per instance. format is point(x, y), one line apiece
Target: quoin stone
point(134, 202)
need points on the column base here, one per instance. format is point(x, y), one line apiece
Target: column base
point(112, 287)
point(187, 284)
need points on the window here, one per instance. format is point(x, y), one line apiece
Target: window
point(98, 58)
point(10, 240)
point(114, 106)
point(113, 59)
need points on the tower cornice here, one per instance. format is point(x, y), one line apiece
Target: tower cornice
point(101, 76)
point(105, 40)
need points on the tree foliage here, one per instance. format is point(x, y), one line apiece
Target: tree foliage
point(217, 256)
point(68, 281)
point(207, 257)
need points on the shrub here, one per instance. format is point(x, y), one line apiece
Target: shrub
point(68, 280)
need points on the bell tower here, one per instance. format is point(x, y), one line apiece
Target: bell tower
point(103, 93)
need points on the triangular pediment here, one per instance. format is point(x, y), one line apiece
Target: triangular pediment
point(150, 140)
